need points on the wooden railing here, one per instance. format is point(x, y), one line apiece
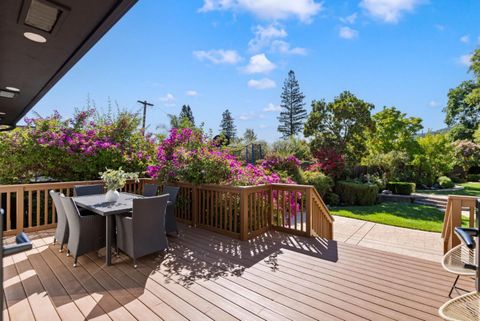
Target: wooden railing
point(453, 218)
point(238, 211)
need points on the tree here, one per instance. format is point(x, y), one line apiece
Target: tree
point(227, 125)
point(393, 131)
point(293, 114)
point(186, 113)
point(435, 158)
point(463, 107)
point(249, 135)
point(340, 124)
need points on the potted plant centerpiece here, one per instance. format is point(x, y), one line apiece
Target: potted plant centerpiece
point(115, 180)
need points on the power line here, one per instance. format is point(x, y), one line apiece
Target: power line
point(145, 104)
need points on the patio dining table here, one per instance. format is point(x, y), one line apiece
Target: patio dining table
point(97, 204)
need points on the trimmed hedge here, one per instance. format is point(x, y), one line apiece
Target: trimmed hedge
point(352, 193)
point(473, 177)
point(401, 188)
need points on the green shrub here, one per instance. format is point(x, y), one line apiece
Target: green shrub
point(445, 182)
point(322, 182)
point(352, 193)
point(473, 177)
point(401, 188)
point(332, 199)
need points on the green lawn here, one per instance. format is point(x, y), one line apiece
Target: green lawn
point(414, 216)
point(471, 189)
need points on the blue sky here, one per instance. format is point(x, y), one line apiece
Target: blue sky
point(235, 54)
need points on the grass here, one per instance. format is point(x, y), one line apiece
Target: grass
point(414, 216)
point(471, 189)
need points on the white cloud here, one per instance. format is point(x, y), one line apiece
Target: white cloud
point(283, 47)
point(348, 33)
point(304, 10)
point(389, 10)
point(192, 93)
point(259, 64)
point(168, 100)
point(270, 37)
point(465, 39)
point(264, 36)
point(247, 116)
point(264, 83)
point(439, 27)
point(219, 56)
point(272, 108)
point(349, 19)
point(433, 103)
point(465, 59)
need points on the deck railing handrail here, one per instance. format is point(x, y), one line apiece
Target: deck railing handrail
point(239, 211)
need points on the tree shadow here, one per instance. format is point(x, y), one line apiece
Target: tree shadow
point(195, 255)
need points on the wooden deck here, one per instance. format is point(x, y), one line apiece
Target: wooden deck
point(207, 276)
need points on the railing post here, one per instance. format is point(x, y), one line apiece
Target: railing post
point(20, 209)
point(243, 215)
point(195, 205)
point(270, 201)
point(309, 214)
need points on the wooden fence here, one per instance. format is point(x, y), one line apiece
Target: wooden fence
point(238, 211)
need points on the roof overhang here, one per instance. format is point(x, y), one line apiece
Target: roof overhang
point(29, 69)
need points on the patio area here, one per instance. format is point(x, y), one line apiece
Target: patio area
point(274, 276)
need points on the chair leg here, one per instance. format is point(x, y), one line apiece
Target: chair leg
point(453, 286)
point(135, 263)
point(68, 252)
point(61, 248)
point(54, 241)
point(75, 262)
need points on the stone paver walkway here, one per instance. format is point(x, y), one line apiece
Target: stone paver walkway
point(419, 244)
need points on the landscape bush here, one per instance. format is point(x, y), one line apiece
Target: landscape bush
point(352, 193)
point(473, 177)
point(445, 182)
point(320, 181)
point(332, 199)
point(401, 188)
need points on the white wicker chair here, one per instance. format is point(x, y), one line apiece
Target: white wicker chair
point(460, 261)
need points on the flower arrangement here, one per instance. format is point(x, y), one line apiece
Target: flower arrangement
point(116, 179)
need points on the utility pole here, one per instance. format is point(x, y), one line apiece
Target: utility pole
point(145, 104)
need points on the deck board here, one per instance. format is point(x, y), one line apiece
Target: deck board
point(207, 276)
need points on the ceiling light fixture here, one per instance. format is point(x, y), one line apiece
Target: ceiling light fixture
point(4, 128)
point(4, 93)
point(13, 89)
point(35, 37)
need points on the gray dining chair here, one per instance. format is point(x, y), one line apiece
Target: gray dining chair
point(83, 190)
point(170, 219)
point(86, 233)
point(150, 190)
point(143, 233)
point(61, 233)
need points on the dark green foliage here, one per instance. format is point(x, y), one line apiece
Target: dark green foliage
point(249, 135)
point(332, 199)
point(473, 177)
point(352, 193)
point(401, 188)
point(445, 182)
point(186, 113)
point(293, 114)
point(340, 125)
point(227, 125)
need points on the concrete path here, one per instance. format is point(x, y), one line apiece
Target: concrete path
point(419, 244)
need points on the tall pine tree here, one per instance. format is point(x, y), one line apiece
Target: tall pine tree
point(293, 114)
point(227, 126)
point(186, 113)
